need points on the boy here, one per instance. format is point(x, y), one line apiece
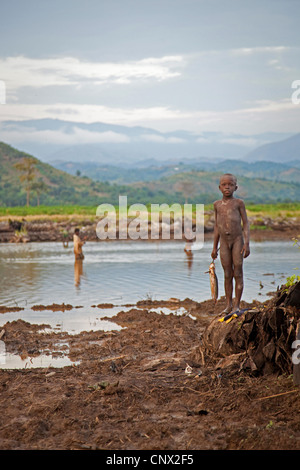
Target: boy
point(234, 239)
point(78, 243)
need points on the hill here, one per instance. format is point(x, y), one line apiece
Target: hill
point(202, 187)
point(152, 170)
point(62, 188)
point(181, 186)
point(283, 151)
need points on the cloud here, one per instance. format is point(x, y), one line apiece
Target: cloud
point(92, 113)
point(20, 71)
point(259, 116)
point(77, 136)
point(246, 51)
point(161, 139)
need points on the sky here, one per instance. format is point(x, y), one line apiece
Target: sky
point(195, 65)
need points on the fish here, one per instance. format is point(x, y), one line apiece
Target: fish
point(214, 287)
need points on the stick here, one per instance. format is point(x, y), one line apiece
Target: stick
point(113, 358)
point(278, 395)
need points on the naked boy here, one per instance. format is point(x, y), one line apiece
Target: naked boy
point(232, 231)
point(78, 244)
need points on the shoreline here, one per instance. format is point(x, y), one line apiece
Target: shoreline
point(54, 236)
point(61, 229)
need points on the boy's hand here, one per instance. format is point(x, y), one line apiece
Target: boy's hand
point(245, 251)
point(214, 253)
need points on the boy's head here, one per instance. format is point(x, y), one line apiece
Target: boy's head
point(76, 231)
point(228, 184)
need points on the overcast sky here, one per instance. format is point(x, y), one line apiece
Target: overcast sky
point(197, 65)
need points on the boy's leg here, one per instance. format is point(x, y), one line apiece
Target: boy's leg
point(226, 260)
point(237, 259)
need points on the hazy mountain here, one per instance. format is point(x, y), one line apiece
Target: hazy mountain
point(284, 151)
point(52, 139)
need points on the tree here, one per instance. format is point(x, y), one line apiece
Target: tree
point(39, 187)
point(186, 187)
point(28, 174)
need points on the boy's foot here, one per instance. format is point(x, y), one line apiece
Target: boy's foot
point(226, 311)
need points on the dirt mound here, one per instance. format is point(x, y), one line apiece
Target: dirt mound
point(261, 338)
point(54, 307)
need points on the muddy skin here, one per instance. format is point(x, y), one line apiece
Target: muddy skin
point(233, 233)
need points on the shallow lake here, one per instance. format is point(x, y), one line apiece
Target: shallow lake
point(121, 273)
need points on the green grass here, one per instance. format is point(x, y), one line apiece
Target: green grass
point(288, 209)
point(264, 210)
point(23, 211)
point(258, 227)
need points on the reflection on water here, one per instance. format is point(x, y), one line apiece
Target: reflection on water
point(78, 271)
point(126, 272)
point(14, 361)
point(189, 255)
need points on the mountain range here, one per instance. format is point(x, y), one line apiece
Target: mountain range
point(92, 163)
point(53, 140)
point(151, 170)
point(179, 183)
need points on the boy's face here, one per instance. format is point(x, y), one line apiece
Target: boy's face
point(227, 185)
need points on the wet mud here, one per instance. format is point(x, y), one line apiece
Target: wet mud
point(154, 384)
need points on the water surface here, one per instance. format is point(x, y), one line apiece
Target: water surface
point(124, 273)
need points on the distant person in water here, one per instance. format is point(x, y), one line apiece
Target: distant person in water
point(78, 244)
point(233, 233)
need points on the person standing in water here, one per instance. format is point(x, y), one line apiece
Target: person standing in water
point(233, 232)
point(78, 244)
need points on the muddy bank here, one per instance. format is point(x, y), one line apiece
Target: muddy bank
point(23, 230)
point(150, 385)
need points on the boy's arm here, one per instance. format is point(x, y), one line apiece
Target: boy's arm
point(246, 230)
point(214, 253)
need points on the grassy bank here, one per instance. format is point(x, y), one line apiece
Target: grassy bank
point(46, 211)
point(274, 210)
point(284, 210)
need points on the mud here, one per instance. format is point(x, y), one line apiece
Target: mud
point(22, 230)
point(149, 386)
